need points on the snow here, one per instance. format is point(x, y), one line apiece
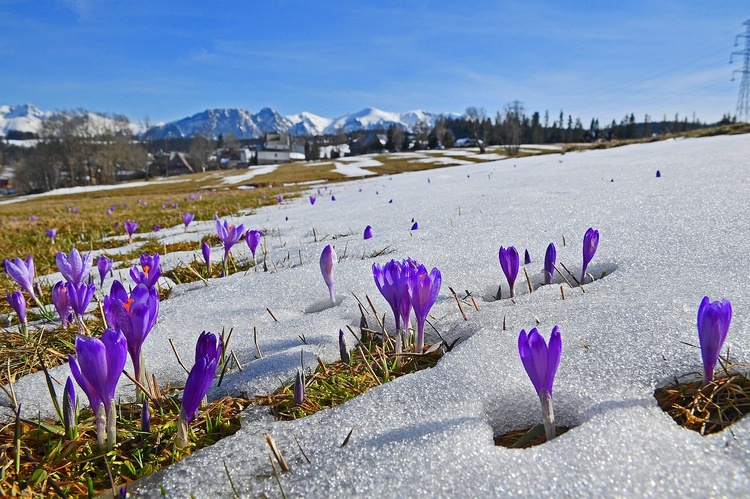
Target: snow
point(665, 243)
point(251, 172)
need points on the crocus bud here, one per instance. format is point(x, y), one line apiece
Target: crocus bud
point(509, 263)
point(713, 325)
point(69, 410)
point(187, 218)
point(145, 418)
point(590, 243)
point(206, 250)
point(328, 261)
point(18, 302)
point(368, 232)
point(312, 199)
point(415, 226)
point(526, 257)
point(343, 351)
point(658, 174)
point(252, 238)
point(550, 257)
point(104, 265)
point(299, 388)
point(540, 362)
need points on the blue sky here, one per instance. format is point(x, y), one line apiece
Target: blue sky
point(166, 60)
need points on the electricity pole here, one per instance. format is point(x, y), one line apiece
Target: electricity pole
point(743, 99)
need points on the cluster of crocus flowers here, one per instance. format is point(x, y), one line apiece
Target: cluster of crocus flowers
point(135, 315)
point(228, 235)
point(328, 261)
point(550, 258)
point(97, 368)
point(208, 352)
point(252, 238)
point(407, 286)
point(590, 243)
point(713, 325)
point(540, 362)
point(150, 270)
point(509, 261)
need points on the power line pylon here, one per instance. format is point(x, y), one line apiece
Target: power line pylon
point(743, 99)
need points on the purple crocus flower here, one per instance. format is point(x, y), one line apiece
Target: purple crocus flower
point(97, 368)
point(415, 226)
point(135, 316)
point(69, 410)
point(228, 235)
point(104, 265)
point(368, 232)
point(713, 325)
point(299, 388)
point(80, 295)
point(328, 261)
point(187, 218)
point(33, 218)
point(550, 257)
point(540, 362)
point(175, 205)
point(149, 272)
point(333, 198)
point(509, 261)
point(590, 243)
point(206, 250)
point(526, 257)
point(156, 227)
point(385, 278)
point(145, 418)
point(62, 302)
point(279, 198)
point(312, 199)
point(423, 291)
point(74, 268)
point(208, 353)
point(130, 228)
point(18, 302)
point(658, 174)
point(252, 238)
point(23, 273)
point(51, 233)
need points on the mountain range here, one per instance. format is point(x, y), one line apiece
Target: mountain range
point(238, 122)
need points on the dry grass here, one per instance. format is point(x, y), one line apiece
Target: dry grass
point(335, 383)
point(51, 464)
point(526, 437)
point(708, 409)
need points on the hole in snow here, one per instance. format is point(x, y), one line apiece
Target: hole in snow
point(595, 272)
point(708, 409)
point(526, 437)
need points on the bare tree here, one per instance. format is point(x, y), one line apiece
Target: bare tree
point(201, 149)
point(510, 135)
point(476, 118)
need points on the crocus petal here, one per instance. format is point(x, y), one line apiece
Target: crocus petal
point(713, 324)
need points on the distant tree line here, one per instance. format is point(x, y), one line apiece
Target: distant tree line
point(77, 148)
